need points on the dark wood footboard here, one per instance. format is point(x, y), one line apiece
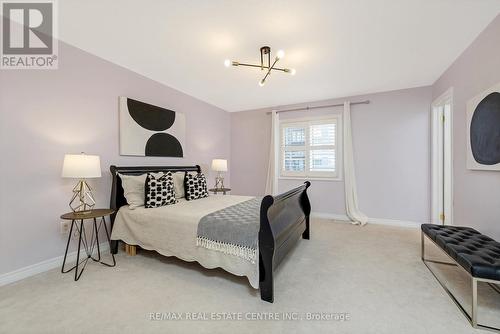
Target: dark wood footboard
point(283, 220)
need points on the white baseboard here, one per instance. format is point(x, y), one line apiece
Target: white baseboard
point(394, 222)
point(46, 265)
point(377, 221)
point(326, 215)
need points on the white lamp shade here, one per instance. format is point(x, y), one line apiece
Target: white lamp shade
point(219, 165)
point(81, 166)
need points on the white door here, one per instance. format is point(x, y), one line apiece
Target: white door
point(442, 166)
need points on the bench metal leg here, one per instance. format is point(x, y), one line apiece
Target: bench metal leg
point(422, 247)
point(474, 282)
point(474, 303)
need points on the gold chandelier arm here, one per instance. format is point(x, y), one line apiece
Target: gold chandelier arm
point(265, 67)
point(269, 70)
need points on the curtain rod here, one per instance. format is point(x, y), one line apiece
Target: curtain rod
point(318, 107)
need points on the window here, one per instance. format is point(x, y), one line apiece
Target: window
point(309, 148)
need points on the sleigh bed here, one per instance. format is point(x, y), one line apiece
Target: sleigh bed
point(171, 231)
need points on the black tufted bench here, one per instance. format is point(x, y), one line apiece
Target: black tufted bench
point(476, 253)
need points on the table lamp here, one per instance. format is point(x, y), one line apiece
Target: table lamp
point(81, 167)
point(219, 165)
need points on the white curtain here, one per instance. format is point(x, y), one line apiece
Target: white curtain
point(272, 169)
point(351, 196)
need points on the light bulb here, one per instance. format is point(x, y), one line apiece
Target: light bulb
point(280, 54)
point(261, 83)
point(293, 71)
point(227, 63)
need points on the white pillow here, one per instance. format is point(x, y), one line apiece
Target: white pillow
point(133, 189)
point(179, 184)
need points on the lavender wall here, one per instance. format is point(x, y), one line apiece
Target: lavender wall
point(391, 152)
point(476, 193)
point(45, 114)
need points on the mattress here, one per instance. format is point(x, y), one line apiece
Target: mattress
point(171, 231)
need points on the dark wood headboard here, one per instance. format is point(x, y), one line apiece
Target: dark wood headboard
point(118, 199)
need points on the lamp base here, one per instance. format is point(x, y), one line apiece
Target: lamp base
point(83, 200)
point(219, 182)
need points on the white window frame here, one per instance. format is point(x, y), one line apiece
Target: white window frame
point(307, 122)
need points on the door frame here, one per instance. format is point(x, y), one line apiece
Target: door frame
point(447, 133)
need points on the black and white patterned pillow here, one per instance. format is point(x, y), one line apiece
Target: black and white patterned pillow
point(159, 190)
point(195, 186)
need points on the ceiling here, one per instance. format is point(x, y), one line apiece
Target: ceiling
point(338, 47)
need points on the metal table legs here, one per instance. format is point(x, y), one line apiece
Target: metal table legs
point(89, 246)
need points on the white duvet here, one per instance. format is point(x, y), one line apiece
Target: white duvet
point(171, 231)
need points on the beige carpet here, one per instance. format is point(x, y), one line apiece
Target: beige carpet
point(372, 273)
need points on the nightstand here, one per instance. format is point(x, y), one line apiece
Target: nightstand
point(220, 190)
point(78, 222)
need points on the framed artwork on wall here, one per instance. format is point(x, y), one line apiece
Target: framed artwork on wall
point(148, 130)
point(483, 130)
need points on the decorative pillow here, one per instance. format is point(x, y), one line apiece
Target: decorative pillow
point(159, 190)
point(195, 186)
point(179, 184)
point(133, 189)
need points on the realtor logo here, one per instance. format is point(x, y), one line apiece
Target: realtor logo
point(29, 35)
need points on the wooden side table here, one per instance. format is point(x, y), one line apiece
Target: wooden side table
point(89, 245)
point(219, 190)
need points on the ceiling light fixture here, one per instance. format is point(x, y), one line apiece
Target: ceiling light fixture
point(265, 63)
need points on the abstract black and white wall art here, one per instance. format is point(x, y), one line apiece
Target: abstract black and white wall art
point(148, 130)
point(483, 130)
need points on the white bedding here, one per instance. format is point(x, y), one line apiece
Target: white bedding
point(171, 231)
